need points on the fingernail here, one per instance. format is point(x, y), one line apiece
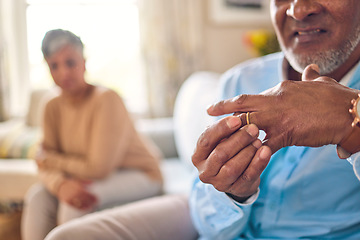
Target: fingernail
point(264, 153)
point(315, 67)
point(210, 107)
point(233, 122)
point(252, 130)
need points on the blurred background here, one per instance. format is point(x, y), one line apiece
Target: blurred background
point(143, 49)
point(164, 57)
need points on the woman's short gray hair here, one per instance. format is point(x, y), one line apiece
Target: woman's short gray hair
point(55, 39)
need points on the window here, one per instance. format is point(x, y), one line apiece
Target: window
point(110, 32)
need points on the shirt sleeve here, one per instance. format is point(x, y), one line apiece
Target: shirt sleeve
point(355, 161)
point(215, 215)
point(52, 179)
point(110, 138)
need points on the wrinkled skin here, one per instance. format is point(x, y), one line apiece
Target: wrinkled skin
point(322, 32)
point(308, 110)
point(231, 158)
point(312, 112)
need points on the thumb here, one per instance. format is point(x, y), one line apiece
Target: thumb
point(311, 72)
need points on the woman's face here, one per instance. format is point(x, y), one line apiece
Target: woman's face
point(67, 67)
point(325, 32)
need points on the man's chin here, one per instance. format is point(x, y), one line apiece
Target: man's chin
point(300, 61)
point(296, 65)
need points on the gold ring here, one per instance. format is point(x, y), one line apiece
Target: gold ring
point(248, 118)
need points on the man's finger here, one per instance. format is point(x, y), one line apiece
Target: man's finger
point(234, 167)
point(225, 152)
point(213, 135)
point(241, 104)
point(310, 73)
point(258, 164)
point(222, 107)
point(251, 176)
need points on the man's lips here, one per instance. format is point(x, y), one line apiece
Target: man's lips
point(308, 35)
point(309, 32)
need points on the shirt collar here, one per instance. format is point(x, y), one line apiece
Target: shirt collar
point(346, 79)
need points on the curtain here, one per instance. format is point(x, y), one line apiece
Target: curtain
point(14, 80)
point(171, 43)
point(3, 85)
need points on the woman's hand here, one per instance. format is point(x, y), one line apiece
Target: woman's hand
point(74, 193)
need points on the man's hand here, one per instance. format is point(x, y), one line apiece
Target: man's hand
point(229, 156)
point(74, 193)
point(312, 112)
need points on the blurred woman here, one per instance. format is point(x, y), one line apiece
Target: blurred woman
point(91, 156)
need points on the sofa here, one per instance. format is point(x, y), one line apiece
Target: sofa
point(176, 138)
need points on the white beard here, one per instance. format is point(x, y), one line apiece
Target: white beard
point(328, 60)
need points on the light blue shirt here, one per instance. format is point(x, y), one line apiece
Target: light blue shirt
point(307, 193)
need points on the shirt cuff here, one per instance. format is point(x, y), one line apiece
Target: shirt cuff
point(355, 161)
point(248, 201)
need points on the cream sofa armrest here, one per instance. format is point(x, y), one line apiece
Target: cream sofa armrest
point(16, 176)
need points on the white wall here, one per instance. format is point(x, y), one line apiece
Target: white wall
point(223, 43)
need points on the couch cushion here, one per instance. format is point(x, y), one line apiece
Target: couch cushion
point(177, 176)
point(16, 176)
point(19, 141)
point(161, 132)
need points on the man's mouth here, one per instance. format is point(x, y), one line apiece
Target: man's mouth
point(309, 32)
point(308, 35)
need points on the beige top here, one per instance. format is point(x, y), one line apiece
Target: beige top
point(91, 139)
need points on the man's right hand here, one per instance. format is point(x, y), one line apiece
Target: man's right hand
point(229, 156)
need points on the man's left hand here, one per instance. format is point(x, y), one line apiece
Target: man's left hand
point(312, 112)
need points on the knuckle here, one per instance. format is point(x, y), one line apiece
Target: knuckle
point(220, 154)
point(229, 170)
point(219, 105)
point(284, 87)
point(246, 177)
point(205, 178)
point(195, 160)
point(203, 141)
point(240, 99)
point(220, 187)
point(285, 83)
